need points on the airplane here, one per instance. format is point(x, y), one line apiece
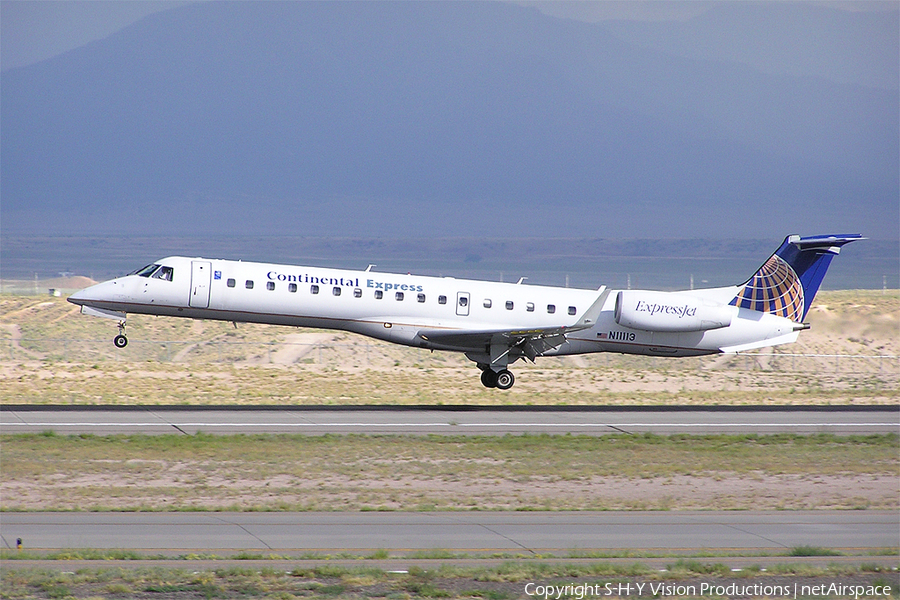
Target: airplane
point(494, 324)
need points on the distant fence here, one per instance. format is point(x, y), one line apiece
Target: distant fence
point(365, 354)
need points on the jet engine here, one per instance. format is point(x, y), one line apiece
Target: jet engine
point(669, 312)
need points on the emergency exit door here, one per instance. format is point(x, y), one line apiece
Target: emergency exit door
point(462, 304)
point(201, 275)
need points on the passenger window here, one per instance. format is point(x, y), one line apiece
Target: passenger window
point(249, 284)
point(509, 305)
point(572, 310)
point(487, 302)
point(292, 287)
point(530, 307)
point(442, 299)
point(421, 297)
point(399, 295)
point(551, 308)
point(357, 293)
point(270, 285)
point(230, 283)
point(336, 291)
point(379, 294)
point(313, 289)
point(164, 273)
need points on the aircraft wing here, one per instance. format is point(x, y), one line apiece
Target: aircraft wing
point(530, 343)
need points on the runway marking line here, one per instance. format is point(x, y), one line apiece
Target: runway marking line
point(537, 550)
point(414, 425)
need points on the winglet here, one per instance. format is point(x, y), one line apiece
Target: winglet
point(590, 316)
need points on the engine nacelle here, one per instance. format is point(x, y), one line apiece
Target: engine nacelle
point(669, 312)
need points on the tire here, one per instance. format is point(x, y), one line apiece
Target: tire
point(505, 380)
point(120, 341)
point(488, 378)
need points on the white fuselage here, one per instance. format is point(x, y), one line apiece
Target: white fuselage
point(405, 309)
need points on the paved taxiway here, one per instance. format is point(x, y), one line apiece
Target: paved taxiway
point(473, 532)
point(453, 421)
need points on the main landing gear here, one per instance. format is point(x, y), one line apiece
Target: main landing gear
point(120, 340)
point(502, 380)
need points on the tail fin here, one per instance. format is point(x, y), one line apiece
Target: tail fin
point(787, 283)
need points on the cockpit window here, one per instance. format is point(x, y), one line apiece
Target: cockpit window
point(165, 273)
point(145, 271)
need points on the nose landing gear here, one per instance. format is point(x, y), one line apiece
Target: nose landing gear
point(120, 340)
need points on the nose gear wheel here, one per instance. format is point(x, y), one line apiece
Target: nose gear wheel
point(120, 340)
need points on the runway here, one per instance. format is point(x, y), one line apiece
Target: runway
point(449, 421)
point(741, 532)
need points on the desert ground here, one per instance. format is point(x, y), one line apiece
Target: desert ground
point(395, 472)
point(50, 354)
point(53, 355)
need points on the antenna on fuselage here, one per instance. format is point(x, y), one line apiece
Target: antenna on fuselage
point(521, 279)
point(369, 268)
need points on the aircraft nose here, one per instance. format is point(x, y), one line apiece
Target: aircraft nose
point(78, 297)
point(98, 291)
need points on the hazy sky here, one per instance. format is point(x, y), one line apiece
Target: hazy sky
point(658, 117)
point(33, 30)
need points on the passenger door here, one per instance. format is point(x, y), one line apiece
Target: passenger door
point(201, 275)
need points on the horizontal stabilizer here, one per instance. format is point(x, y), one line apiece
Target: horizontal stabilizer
point(831, 244)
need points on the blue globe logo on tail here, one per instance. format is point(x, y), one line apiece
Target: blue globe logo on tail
point(787, 283)
point(775, 289)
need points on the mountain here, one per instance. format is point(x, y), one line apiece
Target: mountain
point(783, 38)
point(421, 119)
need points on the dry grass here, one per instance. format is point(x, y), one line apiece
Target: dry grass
point(293, 472)
point(505, 581)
